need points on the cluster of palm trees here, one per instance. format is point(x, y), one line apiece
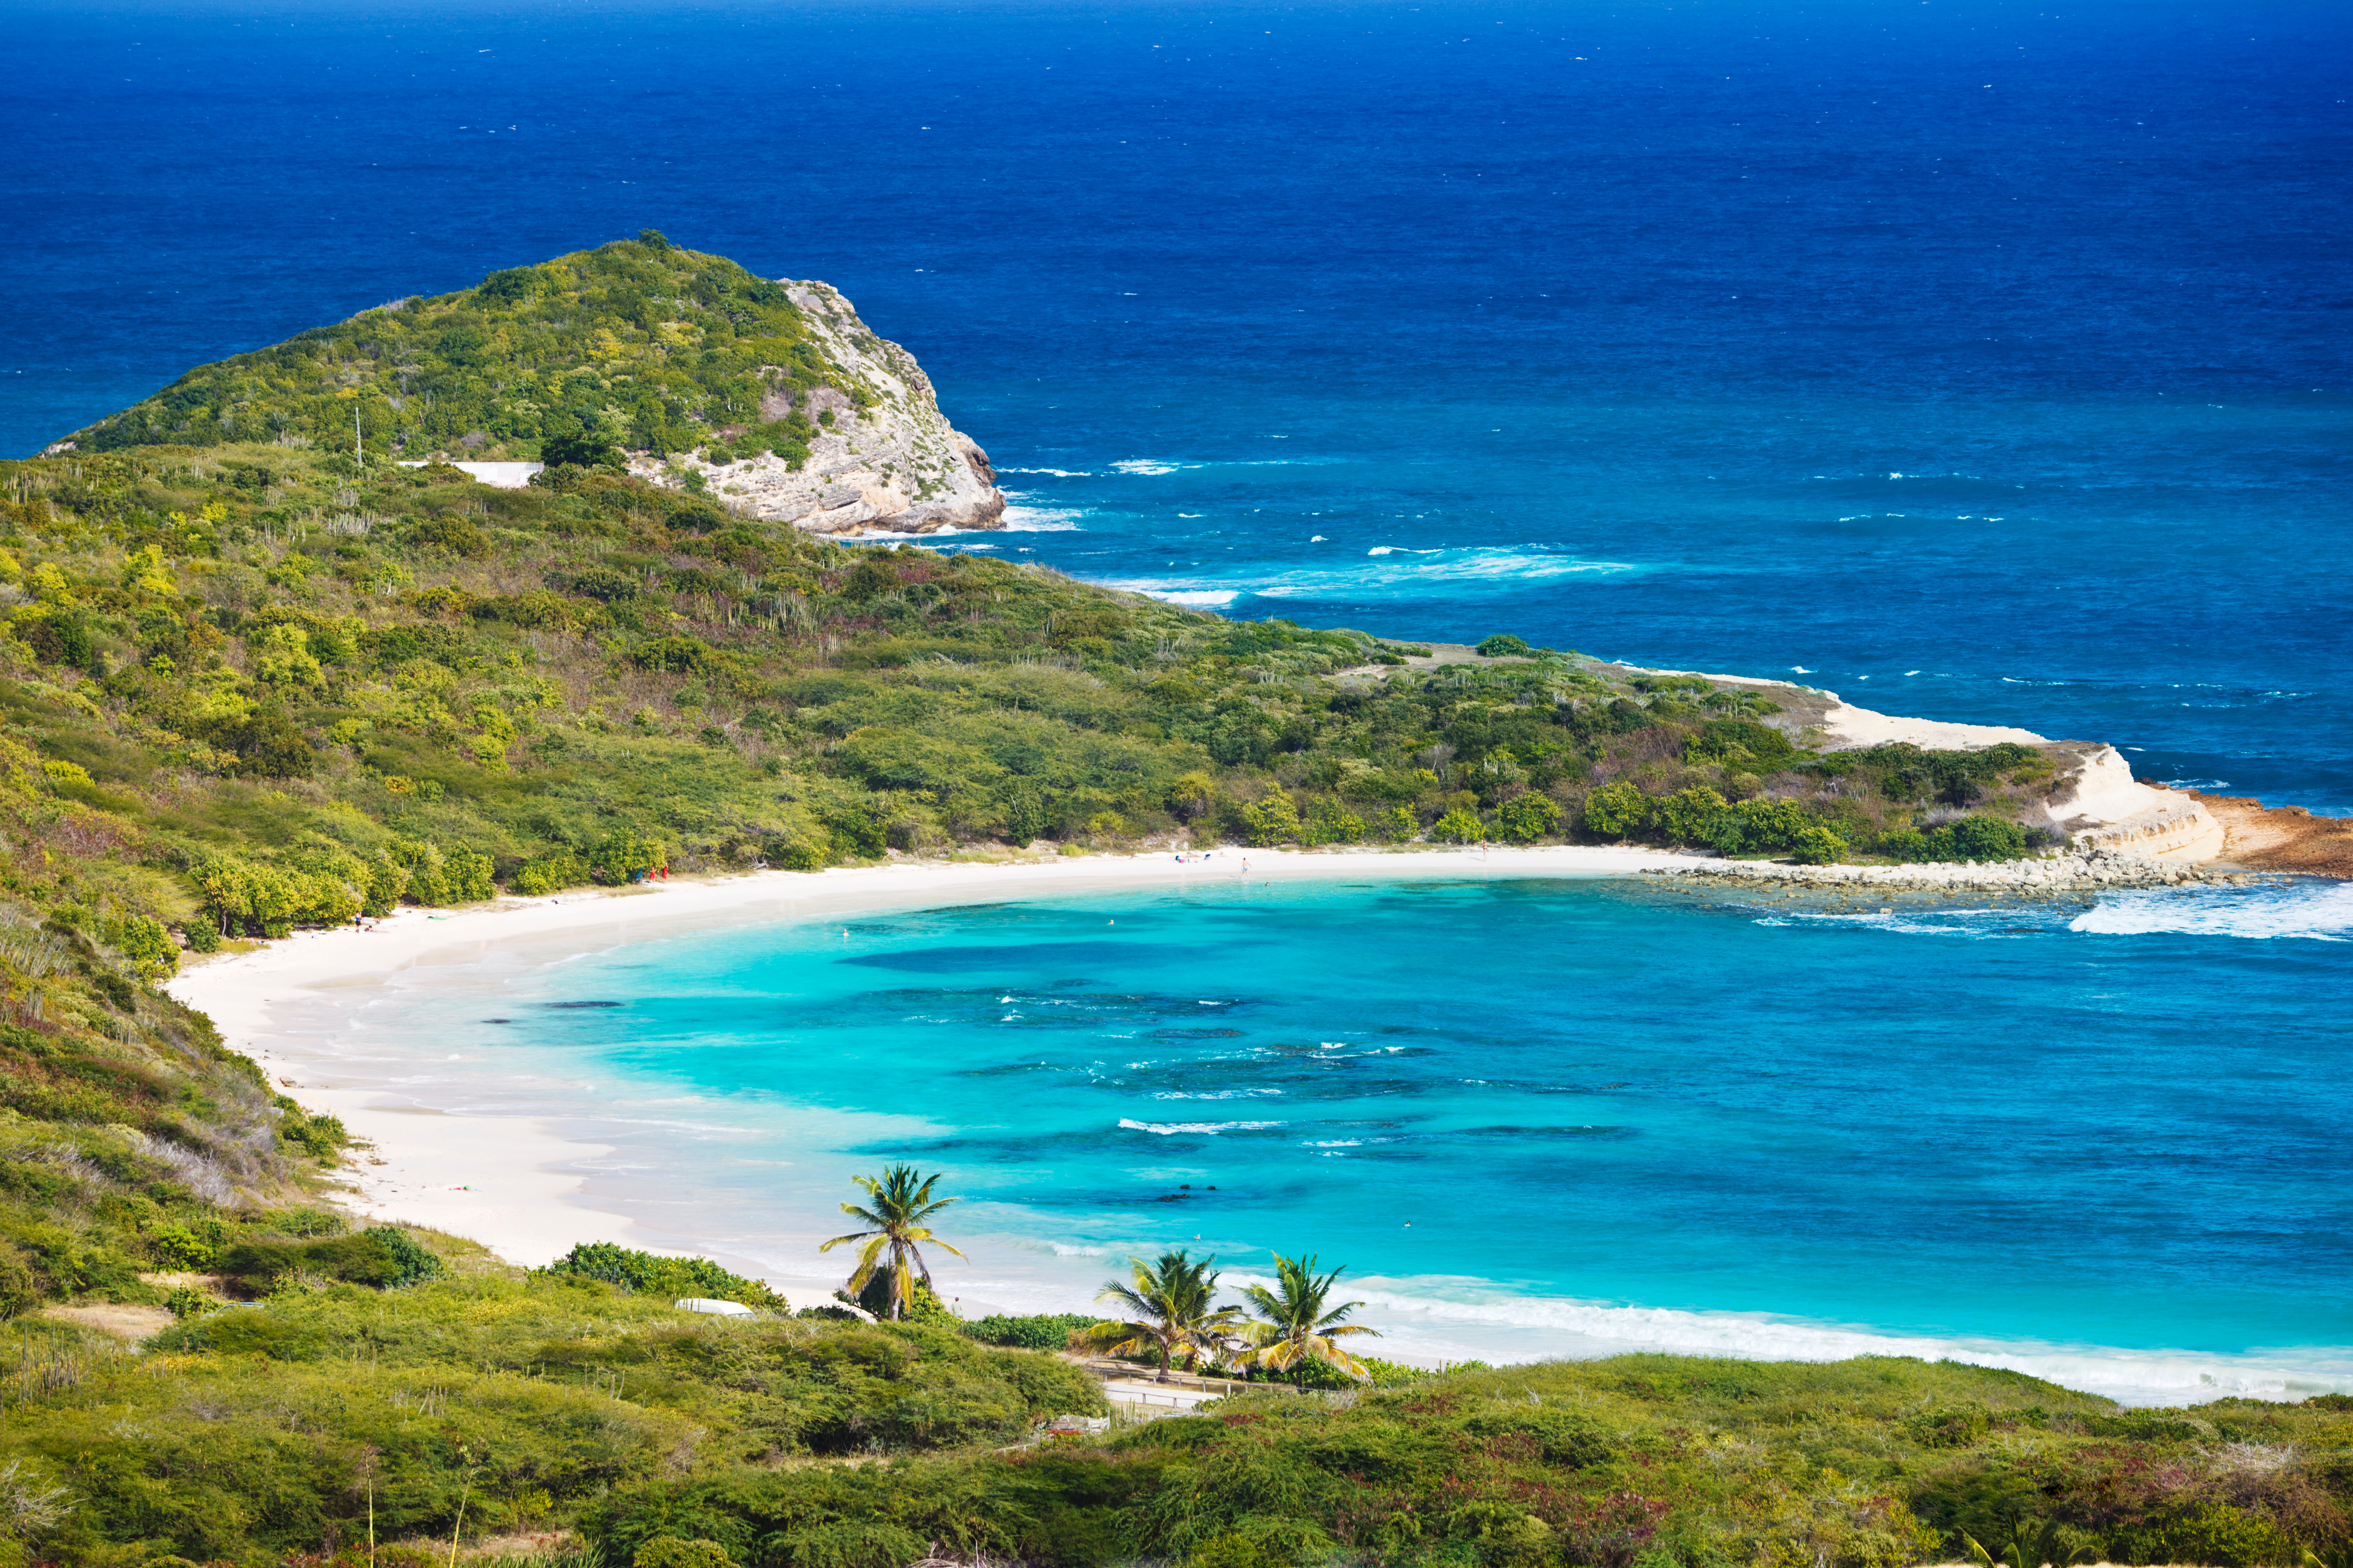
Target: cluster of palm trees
point(1285, 1329)
point(1168, 1301)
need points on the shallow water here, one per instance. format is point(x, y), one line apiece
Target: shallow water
point(2101, 1141)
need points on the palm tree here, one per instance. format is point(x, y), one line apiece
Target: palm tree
point(2032, 1543)
point(1169, 1306)
point(902, 1201)
point(1296, 1327)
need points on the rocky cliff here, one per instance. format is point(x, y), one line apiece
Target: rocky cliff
point(884, 458)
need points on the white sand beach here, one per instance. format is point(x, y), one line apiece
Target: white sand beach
point(516, 1184)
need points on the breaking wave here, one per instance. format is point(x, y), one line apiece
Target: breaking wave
point(1386, 573)
point(2314, 912)
point(1165, 1129)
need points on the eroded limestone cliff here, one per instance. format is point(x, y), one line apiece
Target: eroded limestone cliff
point(883, 459)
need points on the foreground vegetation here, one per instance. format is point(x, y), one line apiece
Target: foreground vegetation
point(273, 1432)
point(396, 1398)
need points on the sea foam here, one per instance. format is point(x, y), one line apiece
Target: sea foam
point(1165, 1129)
point(1390, 573)
point(2316, 912)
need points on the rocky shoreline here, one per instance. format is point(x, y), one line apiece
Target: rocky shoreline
point(2085, 870)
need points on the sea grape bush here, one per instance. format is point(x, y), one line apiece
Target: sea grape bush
point(651, 1274)
point(1037, 1331)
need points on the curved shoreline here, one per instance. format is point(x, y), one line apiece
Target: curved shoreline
point(524, 1194)
point(530, 1186)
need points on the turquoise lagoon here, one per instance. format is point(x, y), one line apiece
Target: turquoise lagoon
point(2105, 1141)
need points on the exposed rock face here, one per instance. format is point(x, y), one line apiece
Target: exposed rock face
point(895, 466)
point(2098, 804)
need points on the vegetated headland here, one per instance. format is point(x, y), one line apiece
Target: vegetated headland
point(256, 677)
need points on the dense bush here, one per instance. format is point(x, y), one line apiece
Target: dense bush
point(1975, 838)
point(651, 1274)
point(384, 1257)
point(1039, 1331)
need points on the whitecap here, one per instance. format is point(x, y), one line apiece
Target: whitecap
point(1057, 473)
point(1447, 573)
point(1149, 466)
point(2314, 912)
point(1165, 1128)
point(1199, 598)
point(1043, 520)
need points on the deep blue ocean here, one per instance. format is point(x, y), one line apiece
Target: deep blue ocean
point(1984, 362)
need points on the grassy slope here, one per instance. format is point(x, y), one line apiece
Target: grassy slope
point(258, 1432)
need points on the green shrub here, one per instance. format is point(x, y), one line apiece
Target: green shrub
point(1755, 826)
point(317, 1134)
point(384, 1257)
point(1273, 820)
point(1741, 741)
point(551, 873)
point(146, 944)
point(1329, 822)
point(1617, 810)
point(1459, 826)
point(1688, 816)
point(1975, 838)
point(1503, 645)
point(1038, 1331)
point(670, 1278)
point(177, 1247)
point(625, 856)
point(1524, 818)
point(1818, 846)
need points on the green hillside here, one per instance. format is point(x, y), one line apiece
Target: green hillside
point(638, 344)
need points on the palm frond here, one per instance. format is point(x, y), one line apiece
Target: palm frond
point(837, 1241)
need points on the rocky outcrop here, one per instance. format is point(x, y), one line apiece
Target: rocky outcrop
point(2282, 838)
point(2088, 870)
point(2098, 805)
point(895, 465)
